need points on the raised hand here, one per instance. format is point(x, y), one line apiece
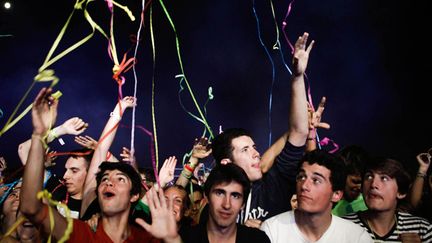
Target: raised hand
point(301, 54)
point(316, 115)
point(127, 155)
point(163, 224)
point(73, 126)
point(44, 112)
point(166, 173)
point(3, 164)
point(86, 141)
point(128, 101)
point(201, 148)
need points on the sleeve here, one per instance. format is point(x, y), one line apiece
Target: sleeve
point(286, 162)
point(265, 226)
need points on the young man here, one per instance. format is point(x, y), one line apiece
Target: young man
point(225, 189)
point(385, 183)
point(271, 192)
point(118, 188)
point(355, 158)
point(320, 182)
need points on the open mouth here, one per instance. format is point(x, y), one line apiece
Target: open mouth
point(108, 195)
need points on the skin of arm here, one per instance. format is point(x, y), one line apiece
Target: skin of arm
point(298, 115)
point(417, 187)
point(73, 126)
point(201, 150)
point(44, 112)
point(105, 141)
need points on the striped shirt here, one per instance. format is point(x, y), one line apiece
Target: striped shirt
point(406, 223)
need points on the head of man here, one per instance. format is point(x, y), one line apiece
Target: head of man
point(226, 190)
point(355, 158)
point(180, 200)
point(320, 182)
point(76, 171)
point(118, 188)
point(385, 182)
point(235, 145)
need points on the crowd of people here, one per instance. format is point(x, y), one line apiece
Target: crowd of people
point(293, 192)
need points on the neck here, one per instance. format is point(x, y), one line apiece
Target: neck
point(116, 226)
point(77, 196)
point(312, 225)
point(217, 233)
point(380, 222)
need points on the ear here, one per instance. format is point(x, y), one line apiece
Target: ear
point(337, 195)
point(400, 196)
point(134, 198)
point(225, 161)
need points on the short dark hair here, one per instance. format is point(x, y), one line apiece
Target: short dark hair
point(227, 174)
point(392, 168)
point(331, 162)
point(355, 158)
point(125, 168)
point(85, 153)
point(222, 143)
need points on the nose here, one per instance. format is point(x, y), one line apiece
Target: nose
point(226, 202)
point(255, 154)
point(66, 175)
point(374, 182)
point(304, 184)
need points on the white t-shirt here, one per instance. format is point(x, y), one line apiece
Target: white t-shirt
point(283, 228)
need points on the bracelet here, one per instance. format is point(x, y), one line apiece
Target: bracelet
point(187, 167)
point(54, 135)
point(421, 175)
point(311, 138)
point(115, 116)
point(185, 176)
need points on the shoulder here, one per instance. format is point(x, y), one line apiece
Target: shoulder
point(282, 218)
point(252, 234)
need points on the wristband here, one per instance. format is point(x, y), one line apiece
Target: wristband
point(421, 175)
point(310, 138)
point(187, 167)
point(115, 116)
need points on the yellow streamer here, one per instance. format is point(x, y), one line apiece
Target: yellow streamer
point(69, 228)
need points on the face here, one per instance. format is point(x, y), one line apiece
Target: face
point(76, 172)
point(225, 203)
point(114, 193)
point(179, 198)
point(314, 189)
point(11, 203)
point(380, 191)
point(27, 232)
point(247, 157)
point(352, 187)
point(294, 201)
point(196, 202)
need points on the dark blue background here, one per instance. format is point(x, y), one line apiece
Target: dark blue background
point(370, 60)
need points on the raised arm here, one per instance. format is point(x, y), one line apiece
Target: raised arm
point(73, 126)
point(416, 191)
point(314, 122)
point(44, 113)
point(200, 150)
point(100, 153)
point(298, 116)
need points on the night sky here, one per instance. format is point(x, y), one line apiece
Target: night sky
point(367, 61)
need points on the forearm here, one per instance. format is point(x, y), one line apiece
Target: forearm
point(311, 142)
point(298, 116)
point(30, 206)
point(416, 191)
point(270, 155)
point(187, 172)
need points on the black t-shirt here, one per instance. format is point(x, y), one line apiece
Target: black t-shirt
point(198, 234)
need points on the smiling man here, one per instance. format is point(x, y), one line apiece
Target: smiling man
point(320, 182)
point(225, 190)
